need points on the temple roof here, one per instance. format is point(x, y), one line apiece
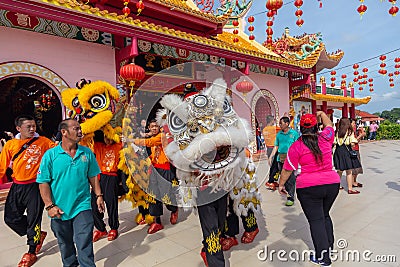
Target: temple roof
point(307, 48)
point(341, 99)
point(222, 41)
point(189, 7)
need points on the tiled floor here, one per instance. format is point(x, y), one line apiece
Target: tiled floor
point(368, 221)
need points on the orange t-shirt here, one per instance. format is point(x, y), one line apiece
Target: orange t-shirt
point(26, 166)
point(107, 156)
point(156, 143)
point(269, 134)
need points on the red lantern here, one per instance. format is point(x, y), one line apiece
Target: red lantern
point(270, 13)
point(235, 40)
point(298, 3)
point(235, 23)
point(126, 10)
point(370, 80)
point(244, 87)
point(250, 19)
point(269, 31)
point(396, 72)
point(356, 73)
point(393, 11)
point(397, 59)
point(360, 88)
point(344, 76)
point(365, 69)
point(274, 5)
point(383, 57)
point(390, 74)
point(371, 89)
point(333, 84)
point(382, 65)
point(333, 72)
point(270, 23)
point(362, 9)
point(300, 22)
point(298, 13)
point(235, 31)
point(132, 73)
point(139, 6)
point(252, 37)
point(251, 28)
point(356, 66)
point(355, 80)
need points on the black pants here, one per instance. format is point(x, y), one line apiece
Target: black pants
point(316, 202)
point(290, 185)
point(231, 227)
point(212, 218)
point(273, 169)
point(23, 197)
point(109, 188)
point(162, 188)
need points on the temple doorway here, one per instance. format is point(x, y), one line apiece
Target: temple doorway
point(21, 95)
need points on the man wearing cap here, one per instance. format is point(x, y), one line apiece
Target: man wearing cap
point(284, 139)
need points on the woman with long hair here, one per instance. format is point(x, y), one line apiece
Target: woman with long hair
point(317, 183)
point(344, 141)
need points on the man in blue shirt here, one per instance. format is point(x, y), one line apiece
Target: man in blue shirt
point(284, 139)
point(65, 175)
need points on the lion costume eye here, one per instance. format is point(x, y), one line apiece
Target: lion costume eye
point(175, 124)
point(75, 102)
point(98, 102)
point(200, 101)
point(228, 110)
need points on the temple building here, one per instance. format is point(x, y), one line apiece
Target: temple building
point(48, 45)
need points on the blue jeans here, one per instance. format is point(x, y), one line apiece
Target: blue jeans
point(372, 136)
point(78, 230)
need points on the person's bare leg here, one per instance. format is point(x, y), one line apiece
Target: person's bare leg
point(349, 178)
point(340, 175)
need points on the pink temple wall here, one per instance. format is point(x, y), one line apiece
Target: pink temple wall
point(70, 59)
point(278, 86)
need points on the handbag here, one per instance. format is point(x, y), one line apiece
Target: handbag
point(352, 153)
point(9, 170)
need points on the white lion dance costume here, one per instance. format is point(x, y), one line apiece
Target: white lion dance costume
point(209, 151)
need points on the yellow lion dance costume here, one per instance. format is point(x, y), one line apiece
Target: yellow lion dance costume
point(93, 105)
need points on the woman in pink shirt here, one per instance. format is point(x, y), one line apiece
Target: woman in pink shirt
point(317, 183)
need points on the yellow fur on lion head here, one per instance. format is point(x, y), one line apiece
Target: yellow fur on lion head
point(93, 106)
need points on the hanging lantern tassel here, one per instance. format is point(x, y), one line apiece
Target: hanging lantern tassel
point(251, 28)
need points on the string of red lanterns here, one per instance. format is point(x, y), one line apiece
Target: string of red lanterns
point(299, 12)
point(382, 65)
point(333, 78)
point(272, 6)
point(235, 24)
point(397, 66)
point(391, 80)
point(371, 85)
point(251, 28)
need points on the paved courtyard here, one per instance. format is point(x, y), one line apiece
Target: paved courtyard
point(366, 225)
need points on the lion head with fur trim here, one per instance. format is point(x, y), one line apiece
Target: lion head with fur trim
point(209, 137)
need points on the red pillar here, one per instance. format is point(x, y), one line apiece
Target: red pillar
point(324, 106)
point(345, 111)
point(353, 111)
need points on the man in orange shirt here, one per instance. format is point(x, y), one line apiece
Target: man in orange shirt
point(24, 193)
point(269, 133)
point(161, 180)
point(107, 156)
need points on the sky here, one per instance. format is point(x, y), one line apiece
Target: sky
point(376, 33)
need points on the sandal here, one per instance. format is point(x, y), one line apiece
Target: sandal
point(112, 235)
point(358, 185)
point(351, 192)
